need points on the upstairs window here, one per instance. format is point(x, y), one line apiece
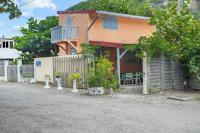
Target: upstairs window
point(110, 23)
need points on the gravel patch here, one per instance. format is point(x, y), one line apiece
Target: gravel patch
point(29, 108)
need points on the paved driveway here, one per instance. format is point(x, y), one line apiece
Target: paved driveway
point(31, 109)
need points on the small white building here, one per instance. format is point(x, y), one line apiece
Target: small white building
point(7, 51)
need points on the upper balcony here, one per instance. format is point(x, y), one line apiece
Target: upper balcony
point(64, 33)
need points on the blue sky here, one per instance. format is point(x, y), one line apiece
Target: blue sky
point(37, 8)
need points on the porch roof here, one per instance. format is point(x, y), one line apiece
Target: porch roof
point(107, 44)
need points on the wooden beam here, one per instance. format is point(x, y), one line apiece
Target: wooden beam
point(72, 45)
point(62, 47)
point(94, 20)
point(123, 53)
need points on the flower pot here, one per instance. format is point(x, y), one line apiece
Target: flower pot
point(59, 87)
point(74, 89)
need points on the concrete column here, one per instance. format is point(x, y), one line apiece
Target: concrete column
point(6, 70)
point(118, 65)
point(19, 65)
point(145, 76)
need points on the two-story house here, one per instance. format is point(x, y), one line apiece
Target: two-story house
point(107, 29)
point(7, 51)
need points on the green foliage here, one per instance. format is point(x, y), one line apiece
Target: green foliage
point(36, 39)
point(58, 74)
point(75, 76)
point(135, 7)
point(8, 6)
point(102, 75)
point(88, 49)
point(177, 36)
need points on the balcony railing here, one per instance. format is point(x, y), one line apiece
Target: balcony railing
point(63, 33)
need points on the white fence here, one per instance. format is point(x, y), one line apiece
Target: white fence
point(15, 73)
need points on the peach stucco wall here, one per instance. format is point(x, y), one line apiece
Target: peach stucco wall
point(129, 31)
point(78, 20)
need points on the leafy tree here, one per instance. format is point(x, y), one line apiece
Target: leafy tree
point(8, 6)
point(177, 37)
point(135, 7)
point(36, 39)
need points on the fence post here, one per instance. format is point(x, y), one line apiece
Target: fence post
point(6, 70)
point(19, 65)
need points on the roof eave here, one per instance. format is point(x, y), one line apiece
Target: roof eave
point(122, 15)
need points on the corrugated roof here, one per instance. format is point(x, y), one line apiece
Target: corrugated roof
point(103, 13)
point(122, 15)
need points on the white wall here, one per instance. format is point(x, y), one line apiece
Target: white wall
point(45, 68)
point(6, 53)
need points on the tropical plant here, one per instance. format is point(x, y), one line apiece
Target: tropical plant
point(177, 37)
point(58, 74)
point(75, 76)
point(102, 75)
point(9, 6)
point(36, 38)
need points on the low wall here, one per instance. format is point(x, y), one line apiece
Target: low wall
point(42, 67)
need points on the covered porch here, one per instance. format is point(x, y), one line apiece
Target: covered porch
point(128, 67)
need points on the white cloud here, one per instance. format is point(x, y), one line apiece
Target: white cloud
point(40, 4)
point(26, 14)
point(2, 23)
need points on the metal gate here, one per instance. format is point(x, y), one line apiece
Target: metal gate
point(12, 73)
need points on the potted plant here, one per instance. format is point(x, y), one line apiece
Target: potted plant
point(74, 77)
point(47, 78)
point(58, 79)
point(101, 77)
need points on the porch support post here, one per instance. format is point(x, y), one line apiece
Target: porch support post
point(145, 76)
point(118, 65)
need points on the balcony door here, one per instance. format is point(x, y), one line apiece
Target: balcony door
point(68, 27)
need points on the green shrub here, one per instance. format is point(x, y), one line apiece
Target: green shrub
point(102, 74)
